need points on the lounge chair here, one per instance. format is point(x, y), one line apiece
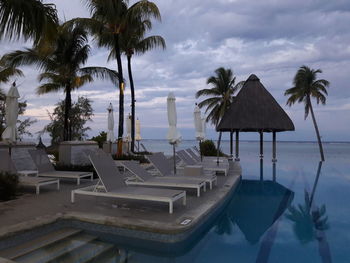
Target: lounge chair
point(46, 169)
point(7, 165)
point(208, 166)
point(162, 164)
point(112, 185)
point(194, 154)
point(143, 147)
point(146, 179)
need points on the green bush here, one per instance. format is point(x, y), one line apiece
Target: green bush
point(8, 186)
point(140, 158)
point(100, 139)
point(208, 148)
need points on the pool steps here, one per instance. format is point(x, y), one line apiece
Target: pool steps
point(64, 245)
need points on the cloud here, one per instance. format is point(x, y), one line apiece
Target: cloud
point(271, 39)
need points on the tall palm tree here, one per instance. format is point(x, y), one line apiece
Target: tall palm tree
point(220, 94)
point(133, 41)
point(109, 18)
point(307, 86)
point(61, 67)
point(30, 19)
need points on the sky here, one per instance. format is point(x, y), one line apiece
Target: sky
point(270, 38)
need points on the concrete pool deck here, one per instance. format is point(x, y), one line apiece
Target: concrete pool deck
point(30, 210)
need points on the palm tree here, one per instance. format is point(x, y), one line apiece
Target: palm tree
point(30, 19)
point(109, 19)
point(307, 86)
point(61, 67)
point(221, 94)
point(133, 41)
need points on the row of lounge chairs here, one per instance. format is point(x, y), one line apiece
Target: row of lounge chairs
point(45, 172)
point(141, 185)
point(150, 188)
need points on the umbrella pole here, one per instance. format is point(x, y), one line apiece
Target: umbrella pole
point(218, 149)
point(261, 169)
point(174, 158)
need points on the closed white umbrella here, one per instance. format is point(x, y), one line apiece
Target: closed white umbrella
point(128, 128)
point(173, 136)
point(198, 124)
point(138, 130)
point(138, 133)
point(110, 134)
point(11, 115)
point(204, 123)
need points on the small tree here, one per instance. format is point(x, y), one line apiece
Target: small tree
point(81, 113)
point(100, 139)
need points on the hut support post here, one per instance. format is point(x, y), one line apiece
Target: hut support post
point(237, 146)
point(274, 147)
point(261, 145)
point(218, 149)
point(231, 145)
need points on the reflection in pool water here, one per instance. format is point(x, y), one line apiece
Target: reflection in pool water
point(293, 211)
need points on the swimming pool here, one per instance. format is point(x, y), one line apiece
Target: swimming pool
point(297, 211)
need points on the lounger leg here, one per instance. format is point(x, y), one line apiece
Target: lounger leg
point(205, 187)
point(184, 200)
point(92, 177)
point(78, 181)
point(37, 189)
point(58, 185)
point(170, 207)
point(211, 185)
point(198, 191)
point(72, 197)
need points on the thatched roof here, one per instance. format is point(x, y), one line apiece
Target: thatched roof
point(254, 109)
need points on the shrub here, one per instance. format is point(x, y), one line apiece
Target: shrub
point(8, 186)
point(140, 158)
point(100, 139)
point(208, 148)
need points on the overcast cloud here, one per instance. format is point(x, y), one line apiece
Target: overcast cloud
point(271, 39)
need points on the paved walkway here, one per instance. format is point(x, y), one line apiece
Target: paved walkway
point(31, 210)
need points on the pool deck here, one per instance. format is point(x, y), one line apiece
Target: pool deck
point(30, 210)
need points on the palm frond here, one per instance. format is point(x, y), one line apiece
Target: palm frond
point(48, 88)
point(101, 73)
point(28, 19)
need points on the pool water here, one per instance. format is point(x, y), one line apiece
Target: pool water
point(295, 210)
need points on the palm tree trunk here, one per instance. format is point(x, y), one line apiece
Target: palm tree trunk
point(121, 97)
point(132, 89)
point(67, 106)
point(317, 131)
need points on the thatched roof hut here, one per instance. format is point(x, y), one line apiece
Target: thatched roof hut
point(254, 109)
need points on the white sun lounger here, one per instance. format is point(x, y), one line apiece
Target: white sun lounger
point(208, 166)
point(7, 165)
point(112, 185)
point(46, 169)
point(146, 179)
point(196, 156)
point(161, 163)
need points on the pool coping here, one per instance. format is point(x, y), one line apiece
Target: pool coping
point(164, 232)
